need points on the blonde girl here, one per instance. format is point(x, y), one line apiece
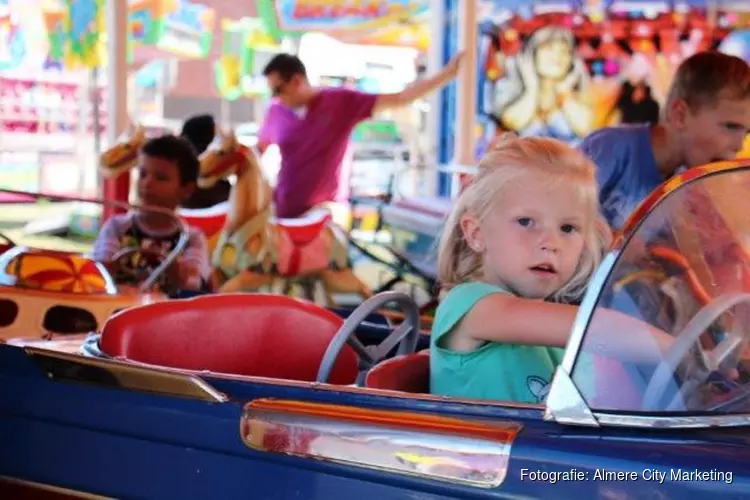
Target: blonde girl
point(520, 245)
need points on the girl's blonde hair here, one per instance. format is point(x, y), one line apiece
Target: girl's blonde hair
point(507, 160)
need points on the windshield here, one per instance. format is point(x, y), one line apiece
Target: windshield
point(684, 275)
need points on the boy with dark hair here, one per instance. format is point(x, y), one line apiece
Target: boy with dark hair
point(312, 127)
point(200, 131)
point(167, 172)
point(705, 119)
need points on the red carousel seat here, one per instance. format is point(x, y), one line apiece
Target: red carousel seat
point(306, 225)
point(409, 373)
point(301, 244)
point(259, 335)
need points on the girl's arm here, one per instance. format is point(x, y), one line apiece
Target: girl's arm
point(513, 320)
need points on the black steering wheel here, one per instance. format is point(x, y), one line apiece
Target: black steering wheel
point(404, 335)
point(141, 265)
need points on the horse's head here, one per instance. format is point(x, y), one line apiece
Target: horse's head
point(228, 158)
point(123, 155)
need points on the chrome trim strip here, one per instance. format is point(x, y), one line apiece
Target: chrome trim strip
point(129, 376)
point(672, 421)
point(586, 310)
point(398, 442)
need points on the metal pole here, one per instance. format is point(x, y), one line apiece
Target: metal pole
point(117, 95)
point(435, 61)
point(467, 85)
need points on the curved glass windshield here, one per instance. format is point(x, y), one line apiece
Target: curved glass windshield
point(670, 330)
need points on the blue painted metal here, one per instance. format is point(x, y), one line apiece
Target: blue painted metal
point(132, 445)
point(448, 97)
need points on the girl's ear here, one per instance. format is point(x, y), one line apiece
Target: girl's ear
point(472, 232)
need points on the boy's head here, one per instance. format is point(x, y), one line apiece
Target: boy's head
point(708, 106)
point(287, 79)
point(167, 171)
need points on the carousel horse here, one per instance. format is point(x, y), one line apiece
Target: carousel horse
point(256, 249)
point(123, 155)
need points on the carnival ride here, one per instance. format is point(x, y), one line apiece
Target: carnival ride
point(252, 250)
point(48, 293)
point(237, 395)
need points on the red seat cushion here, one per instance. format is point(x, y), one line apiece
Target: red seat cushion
point(260, 335)
point(210, 224)
point(409, 373)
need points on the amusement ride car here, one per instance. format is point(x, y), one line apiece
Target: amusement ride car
point(260, 396)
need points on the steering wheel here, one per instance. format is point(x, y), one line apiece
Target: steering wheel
point(149, 265)
point(710, 362)
point(405, 335)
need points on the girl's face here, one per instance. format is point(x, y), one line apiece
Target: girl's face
point(553, 59)
point(532, 240)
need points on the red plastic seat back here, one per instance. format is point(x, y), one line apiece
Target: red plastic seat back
point(259, 335)
point(409, 373)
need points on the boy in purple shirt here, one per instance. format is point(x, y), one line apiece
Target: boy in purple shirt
point(312, 127)
point(705, 119)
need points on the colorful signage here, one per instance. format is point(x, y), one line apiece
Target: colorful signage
point(74, 31)
point(85, 26)
point(612, 64)
point(343, 15)
point(246, 47)
point(179, 27)
point(12, 43)
point(414, 33)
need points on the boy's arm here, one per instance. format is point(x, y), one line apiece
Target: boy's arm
point(107, 242)
point(194, 265)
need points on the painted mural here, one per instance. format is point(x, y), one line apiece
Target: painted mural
point(565, 68)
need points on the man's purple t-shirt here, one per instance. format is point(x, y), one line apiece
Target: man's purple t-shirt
point(313, 148)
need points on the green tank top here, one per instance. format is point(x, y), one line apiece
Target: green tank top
point(496, 371)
